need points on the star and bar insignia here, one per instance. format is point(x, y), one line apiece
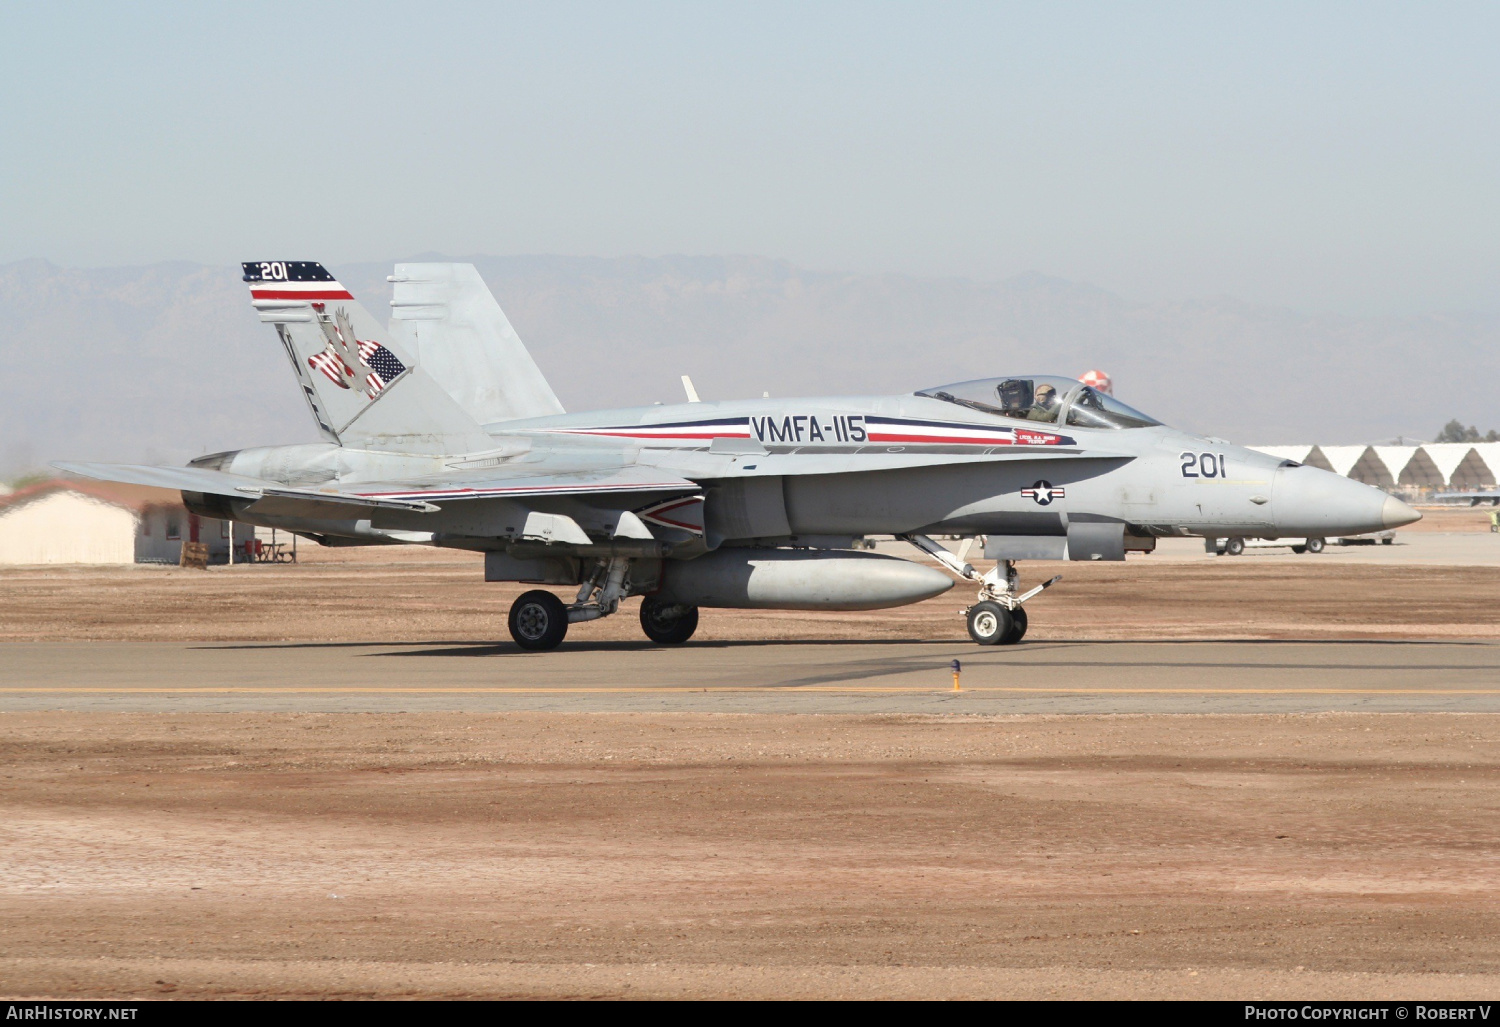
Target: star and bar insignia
point(1044, 492)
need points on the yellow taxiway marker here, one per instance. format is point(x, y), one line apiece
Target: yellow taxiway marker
point(698, 690)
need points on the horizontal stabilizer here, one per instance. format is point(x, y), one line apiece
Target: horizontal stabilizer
point(188, 479)
point(419, 494)
point(235, 486)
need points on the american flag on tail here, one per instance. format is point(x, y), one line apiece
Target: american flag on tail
point(379, 359)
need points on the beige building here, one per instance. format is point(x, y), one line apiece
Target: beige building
point(74, 522)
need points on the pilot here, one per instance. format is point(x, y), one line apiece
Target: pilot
point(1045, 406)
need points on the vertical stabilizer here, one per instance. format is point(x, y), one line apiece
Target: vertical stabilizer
point(446, 316)
point(363, 388)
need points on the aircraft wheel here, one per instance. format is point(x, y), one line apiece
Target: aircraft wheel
point(1235, 547)
point(1315, 545)
point(1017, 627)
point(1299, 550)
point(538, 620)
point(1388, 541)
point(989, 623)
point(668, 630)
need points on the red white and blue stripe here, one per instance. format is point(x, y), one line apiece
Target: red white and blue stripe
point(677, 431)
point(891, 430)
point(840, 430)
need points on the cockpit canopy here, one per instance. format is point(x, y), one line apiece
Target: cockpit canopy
point(1047, 398)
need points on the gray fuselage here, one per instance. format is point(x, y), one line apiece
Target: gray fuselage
point(852, 466)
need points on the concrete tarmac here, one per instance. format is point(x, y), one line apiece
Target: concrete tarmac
point(755, 677)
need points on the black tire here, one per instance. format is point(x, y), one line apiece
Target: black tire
point(989, 623)
point(1315, 545)
point(1235, 547)
point(1388, 541)
point(538, 620)
point(1299, 550)
point(667, 630)
point(1017, 627)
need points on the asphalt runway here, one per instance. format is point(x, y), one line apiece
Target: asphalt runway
point(755, 677)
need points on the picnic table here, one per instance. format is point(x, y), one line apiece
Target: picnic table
point(257, 551)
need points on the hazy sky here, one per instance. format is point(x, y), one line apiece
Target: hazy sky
point(1323, 156)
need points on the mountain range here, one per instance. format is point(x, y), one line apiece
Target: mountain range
point(165, 361)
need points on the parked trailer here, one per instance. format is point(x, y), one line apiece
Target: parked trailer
point(1237, 546)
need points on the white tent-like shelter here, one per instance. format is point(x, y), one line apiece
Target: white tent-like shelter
point(1432, 465)
point(1489, 455)
point(1395, 458)
point(1315, 458)
point(1457, 462)
point(1372, 470)
point(1341, 459)
point(1421, 472)
point(1296, 454)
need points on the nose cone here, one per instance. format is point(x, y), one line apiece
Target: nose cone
point(1396, 513)
point(1313, 502)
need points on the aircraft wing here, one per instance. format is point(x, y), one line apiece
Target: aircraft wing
point(417, 494)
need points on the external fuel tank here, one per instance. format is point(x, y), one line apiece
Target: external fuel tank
point(799, 579)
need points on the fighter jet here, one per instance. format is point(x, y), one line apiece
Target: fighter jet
point(440, 430)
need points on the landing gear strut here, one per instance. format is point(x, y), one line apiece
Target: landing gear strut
point(999, 617)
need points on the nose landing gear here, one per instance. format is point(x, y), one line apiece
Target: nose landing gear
point(992, 624)
point(999, 618)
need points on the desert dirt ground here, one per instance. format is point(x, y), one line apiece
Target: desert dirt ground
point(596, 855)
point(528, 854)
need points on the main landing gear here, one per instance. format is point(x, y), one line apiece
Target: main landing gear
point(998, 618)
point(539, 620)
point(668, 623)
